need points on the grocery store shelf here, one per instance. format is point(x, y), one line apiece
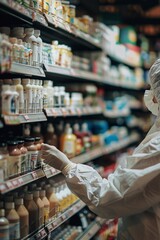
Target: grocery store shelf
point(102, 150)
point(20, 181)
point(24, 118)
point(91, 230)
point(73, 111)
point(18, 68)
point(116, 113)
point(50, 171)
point(65, 216)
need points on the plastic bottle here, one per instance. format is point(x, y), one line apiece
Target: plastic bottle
point(69, 143)
point(86, 137)
point(30, 38)
point(19, 89)
point(24, 156)
point(24, 217)
point(4, 226)
point(50, 136)
point(15, 50)
point(34, 94)
point(54, 204)
point(6, 97)
point(32, 153)
point(14, 221)
point(46, 203)
point(62, 96)
point(14, 158)
point(79, 141)
point(27, 95)
point(33, 211)
point(4, 156)
point(21, 50)
point(40, 205)
point(14, 100)
point(40, 44)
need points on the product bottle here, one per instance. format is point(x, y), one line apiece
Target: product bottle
point(15, 50)
point(34, 95)
point(37, 132)
point(61, 133)
point(87, 142)
point(40, 43)
point(62, 96)
point(32, 153)
point(30, 38)
point(69, 144)
point(14, 158)
point(27, 95)
point(14, 100)
point(18, 32)
point(54, 204)
point(24, 217)
point(4, 157)
point(21, 50)
point(26, 130)
point(32, 208)
point(24, 156)
point(6, 97)
point(79, 141)
point(4, 226)
point(40, 205)
point(14, 221)
point(46, 203)
point(19, 89)
point(50, 136)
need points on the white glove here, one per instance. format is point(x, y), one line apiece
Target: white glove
point(55, 158)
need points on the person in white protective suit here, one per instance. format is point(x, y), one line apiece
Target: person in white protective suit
point(131, 193)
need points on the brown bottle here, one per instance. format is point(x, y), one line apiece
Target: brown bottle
point(40, 205)
point(50, 136)
point(14, 221)
point(46, 203)
point(24, 156)
point(24, 217)
point(33, 211)
point(4, 226)
point(52, 198)
point(14, 158)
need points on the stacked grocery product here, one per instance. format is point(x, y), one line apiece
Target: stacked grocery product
point(33, 208)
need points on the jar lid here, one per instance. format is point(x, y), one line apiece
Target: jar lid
point(20, 141)
point(37, 139)
point(12, 143)
point(30, 139)
point(2, 212)
point(9, 205)
point(18, 201)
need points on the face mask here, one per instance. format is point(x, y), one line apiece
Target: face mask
point(148, 100)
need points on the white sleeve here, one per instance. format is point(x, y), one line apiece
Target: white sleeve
point(126, 192)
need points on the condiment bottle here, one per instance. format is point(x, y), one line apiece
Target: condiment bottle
point(54, 205)
point(79, 140)
point(50, 136)
point(24, 156)
point(27, 95)
point(40, 205)
point(14, 221)
point(14, 158)
point(69, 144)
point(24, 217)
point(37, 132)
point(33, 211)
point(32, 153)
point(4, 156)
point(4, 226)
point(19, 89)
point(46, 203)
point(39, 43)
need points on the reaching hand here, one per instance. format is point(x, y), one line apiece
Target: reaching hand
point(53, 157)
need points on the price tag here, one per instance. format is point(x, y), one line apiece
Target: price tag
point(26, 117)
point(2, 187)
point(43, 233)
point(9, 184)
point(64, 112)
point(67, 27)
point(55, 21)
point(54, 112)
point(53, 170)
point(79, 112)
point(38, 236)
point(34, 175)
point(50, 227)
point(20, 180)
point(15, 183)
point(73, 111)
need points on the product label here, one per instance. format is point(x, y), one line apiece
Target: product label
point(46, 214)
point(4, 232)
point(3, 170)
point(14, 231)
point(13, 165)
point(69, 147)
point(33, 159)
point(24, 161)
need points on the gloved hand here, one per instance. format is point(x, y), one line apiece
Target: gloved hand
point(53, 157)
